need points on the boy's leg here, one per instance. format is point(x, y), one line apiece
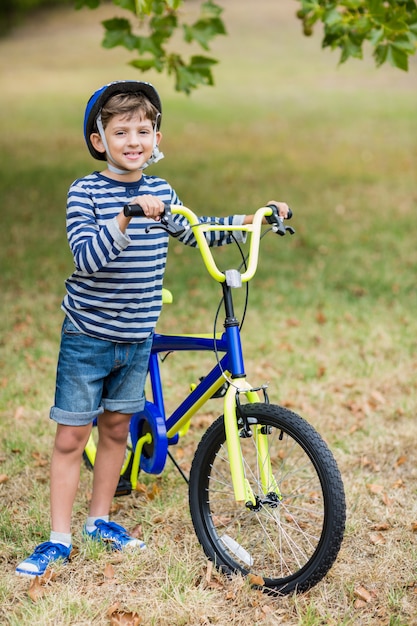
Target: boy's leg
point(113, 429)
point(65, 473)
point(69, 444)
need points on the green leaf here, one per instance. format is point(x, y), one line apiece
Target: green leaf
point(163, 27)
point(118, 33)
point(203, 31)
point(405, 43)
point(332, 17)
point(396, 25)
point(380, 54)
point(397, 58)
point(174, 4)
point(144, 64)
point(143, 7)
point(189, 77)
point(211, 9)
point(128, 5)
point(376, 36)
point(350, 48)
point(91, 4)
point(376, 10)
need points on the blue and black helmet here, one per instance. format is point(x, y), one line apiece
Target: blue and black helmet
point(100, 97)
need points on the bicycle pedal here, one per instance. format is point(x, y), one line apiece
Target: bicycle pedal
point(124, 487)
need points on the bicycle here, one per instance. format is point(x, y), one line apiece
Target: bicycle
point(266, 496)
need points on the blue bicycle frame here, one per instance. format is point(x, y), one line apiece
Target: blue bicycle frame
point(151, 430)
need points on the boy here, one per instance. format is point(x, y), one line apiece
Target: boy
point(112, 303)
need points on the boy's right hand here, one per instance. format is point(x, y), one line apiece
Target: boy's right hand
point(152, 206)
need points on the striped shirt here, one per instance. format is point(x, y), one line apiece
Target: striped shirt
point(115, 292)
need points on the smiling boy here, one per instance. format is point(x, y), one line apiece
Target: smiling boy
point(112, 303)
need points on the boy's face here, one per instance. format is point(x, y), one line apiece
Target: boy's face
point(130, 140)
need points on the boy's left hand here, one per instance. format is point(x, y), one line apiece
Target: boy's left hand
point(282, 207)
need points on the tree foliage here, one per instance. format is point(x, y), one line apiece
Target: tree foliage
point(390, 27)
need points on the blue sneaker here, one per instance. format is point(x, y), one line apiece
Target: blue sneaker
point(113, 534)
point(43, 555)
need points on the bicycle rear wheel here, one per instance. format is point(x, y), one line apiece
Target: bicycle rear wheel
point(290, 537)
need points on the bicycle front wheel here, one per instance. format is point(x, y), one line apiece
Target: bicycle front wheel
point(288, 538)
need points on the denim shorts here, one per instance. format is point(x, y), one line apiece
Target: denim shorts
point(94, 375)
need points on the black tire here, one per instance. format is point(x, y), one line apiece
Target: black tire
point(284, 544)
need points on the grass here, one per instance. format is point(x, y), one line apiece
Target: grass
point(332, 308)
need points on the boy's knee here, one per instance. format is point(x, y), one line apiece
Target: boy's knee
point(115, 428)
point(70, 439)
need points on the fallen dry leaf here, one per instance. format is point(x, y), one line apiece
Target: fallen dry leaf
point(38, 585)
point(256, 580)
point(359, 604)
point(41, 461)
point(363, 594)
point(320, 317)
point(49, 576)
point(122, 618)
point(137, 531)
point(321, 370)
point(155, 491)
point(18, 414)
point(113, 608)
point(375, 489)
point(381, 526)
point(293, 322)
point(386, 500)
point(3, 478)
point(108, 571)
point(399, 484)
point(377, 539)
point(36, 590)
point(376, 398)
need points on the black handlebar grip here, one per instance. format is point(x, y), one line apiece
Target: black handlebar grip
point(133, 210)
point(273, 206)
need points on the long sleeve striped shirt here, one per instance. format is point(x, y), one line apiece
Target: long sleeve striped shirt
point(115, 291)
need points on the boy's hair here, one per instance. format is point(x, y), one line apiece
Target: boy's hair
point(128, 104)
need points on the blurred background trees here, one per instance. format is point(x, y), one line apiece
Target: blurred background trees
point(147, 28)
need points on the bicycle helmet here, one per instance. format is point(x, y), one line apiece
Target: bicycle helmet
point(100, 97)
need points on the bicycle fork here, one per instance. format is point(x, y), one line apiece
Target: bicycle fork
point(242, 489)
point(241, 486)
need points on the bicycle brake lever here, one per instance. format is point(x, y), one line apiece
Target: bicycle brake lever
point(167, 223)
point(278, 226)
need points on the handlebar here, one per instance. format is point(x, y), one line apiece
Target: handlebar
point(199, 228)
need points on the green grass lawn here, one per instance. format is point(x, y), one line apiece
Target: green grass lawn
point(331, 324)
